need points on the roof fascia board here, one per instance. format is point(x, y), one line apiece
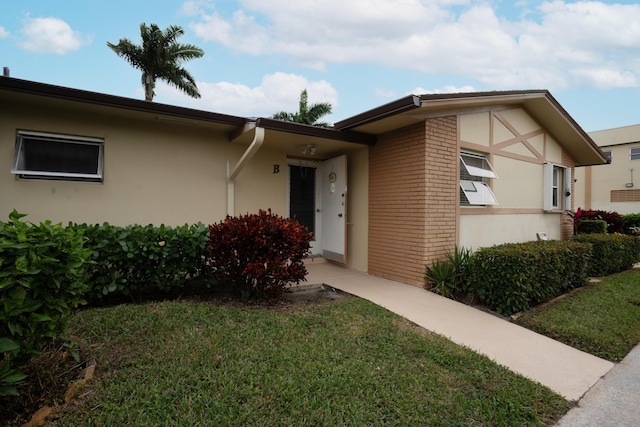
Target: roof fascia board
point(577, 128)
point(77, 95)
point(401, 105)
point(320, 132)
point(474, 97)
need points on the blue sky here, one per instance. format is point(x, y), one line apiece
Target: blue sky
point(355, 54)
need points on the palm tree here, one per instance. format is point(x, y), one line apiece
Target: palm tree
point(159, 57)
point(307, 115)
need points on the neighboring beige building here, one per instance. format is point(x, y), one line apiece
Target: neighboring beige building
point(614, 186)
point(424, 173)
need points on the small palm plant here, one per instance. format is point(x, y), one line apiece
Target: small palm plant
point(447, 277)
point(306, 114)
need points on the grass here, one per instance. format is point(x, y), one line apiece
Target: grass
point(346, 362)
point(602, 318)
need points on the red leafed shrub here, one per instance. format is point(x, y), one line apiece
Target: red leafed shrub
point(258, 254)
point(614, 220)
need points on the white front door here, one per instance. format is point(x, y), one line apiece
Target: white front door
point(332, 180)
point(318, 199)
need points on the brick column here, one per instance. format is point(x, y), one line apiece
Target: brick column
point(413, 195)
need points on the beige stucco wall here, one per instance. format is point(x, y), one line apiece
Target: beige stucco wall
point(517, 147)
point(599, 181)
point(477, 231)
point(358, 209)
point(615, 136)
point(615, 176)
point(519, 184)
point(580, 196)
point(159, 172)
point(154, 172)
point(257, 187)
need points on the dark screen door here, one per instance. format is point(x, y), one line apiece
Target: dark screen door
point(302, 195)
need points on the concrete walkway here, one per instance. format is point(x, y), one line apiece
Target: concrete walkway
point(565, 370)
point(613, 401)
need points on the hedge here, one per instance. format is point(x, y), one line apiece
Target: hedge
point(592, 226)
point(513, 277)
point(42, 280)
point(612, 253)
point(138, 259)
point(631, 223)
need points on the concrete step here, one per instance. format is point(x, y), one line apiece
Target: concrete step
point(314, 259)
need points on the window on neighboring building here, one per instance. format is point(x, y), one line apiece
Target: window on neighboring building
point(58, 157)
point(634, 153)
point(475, 169)
point(557, 187)
point(608, 154)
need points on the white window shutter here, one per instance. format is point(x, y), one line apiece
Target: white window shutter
point(566, 189)
point(547, 204)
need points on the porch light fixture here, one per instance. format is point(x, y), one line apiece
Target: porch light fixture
point(309, 149)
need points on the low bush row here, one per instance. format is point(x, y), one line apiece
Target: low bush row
point(615, 221)
point(47, 270)
point(612, 253)
point(512, 277)
point(592, 226)
point(631, 223)
point(132, 260)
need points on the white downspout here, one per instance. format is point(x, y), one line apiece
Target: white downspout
point(253, 148)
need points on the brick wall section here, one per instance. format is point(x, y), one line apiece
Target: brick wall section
point(566, 226)
point(413, 192)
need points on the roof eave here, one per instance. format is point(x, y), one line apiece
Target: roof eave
point(396, 107)
point(77, 95)
point(315, 131)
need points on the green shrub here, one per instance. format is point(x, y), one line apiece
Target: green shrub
point(136, 259)
point(513, 277)
point(592, 226)
point(612, 253)
point(631, 223)
point(41, 283)
point(614, 219)
point(447, 277)
point(258, 254)
point(9, 375)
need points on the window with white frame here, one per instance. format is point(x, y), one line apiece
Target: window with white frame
point(475, 169)
point(49, 156)
point(557, 187)
point(634, 153)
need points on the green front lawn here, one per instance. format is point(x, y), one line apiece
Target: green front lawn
point(602, 318)
point(346, 362)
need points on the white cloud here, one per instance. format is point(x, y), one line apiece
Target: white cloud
point(194, 7)
point(3, 33)
point(554, 44)
point(444, 89)
point(385, 93)
point(50, 35)
point(277, 92)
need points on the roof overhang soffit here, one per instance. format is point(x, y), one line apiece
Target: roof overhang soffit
point(539, 103)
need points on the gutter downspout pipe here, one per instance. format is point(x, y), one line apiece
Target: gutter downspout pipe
point(253, 148)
